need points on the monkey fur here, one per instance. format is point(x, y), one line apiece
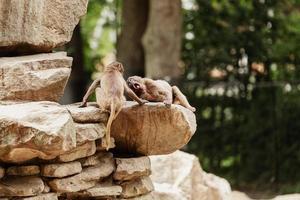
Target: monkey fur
point(110, 90)
point(158, 91)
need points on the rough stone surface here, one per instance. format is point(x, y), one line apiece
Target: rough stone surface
point(49, 196)
point(34, 129)
point(89, 114)
point(38, 25)
point(180, 176)
point(153, 128)
point(137, 187)
point(98, 191)
point(21, 186)
point(100, 158)
point(23, 170)
point(86, 179)
point(149, 196)
point(46, 188)
point(40, 77)
point(101, 144)
point(89, 132)
point(132, 168)
point(218, 186)
point(82, 151)
point(2, 172)
point(61, 169)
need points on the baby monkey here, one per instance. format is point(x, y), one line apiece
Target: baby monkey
point(158, 91)
point(110, 93)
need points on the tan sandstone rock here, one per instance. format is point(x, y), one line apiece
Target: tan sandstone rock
point(97, 191)
point(49, 196)
point(21, 186)
point(40, 77)
point(23, 170)
point(88, 178)
point(180, 176)
point(101, 144)
point(137, 187)
point(38, 25)
point(132, 168)
point(2, 172)
point(34, 129)
point(149, 196)
point(89, 114)
point(288, 197)
point(153, 128)
point(82, 151)
point(46, 188)
point(100, 158)
point(61, 169)
point(89, 132)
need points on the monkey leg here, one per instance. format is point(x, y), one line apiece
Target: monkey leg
point(180, 98)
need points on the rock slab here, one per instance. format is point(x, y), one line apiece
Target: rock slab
point(60, 170)
point(132, 168)
point(21, 186)
point(89, 177)
point(152, 129)
point(89, 114)
point(89, 132)
point(40, 77)
point(38, 25)
point(34, 129)
point(23, 170)
point(82, 151)
point(137, 187)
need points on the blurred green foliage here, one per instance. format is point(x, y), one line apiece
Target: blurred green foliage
point(242, 73)
point(98, 30)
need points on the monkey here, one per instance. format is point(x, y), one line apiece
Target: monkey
point(109, 91)
point(158, 91)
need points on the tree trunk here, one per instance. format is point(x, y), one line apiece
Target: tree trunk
point(129, 49)
point(162, 40)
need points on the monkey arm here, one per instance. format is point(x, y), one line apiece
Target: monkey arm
point(91, 89)
point(132, 95)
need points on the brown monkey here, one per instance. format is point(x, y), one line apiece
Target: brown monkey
point(158, 91)
point(110, 93)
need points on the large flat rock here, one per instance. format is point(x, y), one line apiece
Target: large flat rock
point(89, 114)
point(34, 129)
point(40, 77)
point(153, 128)
point(38, 25)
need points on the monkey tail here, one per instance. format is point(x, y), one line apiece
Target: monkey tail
point(109, 122)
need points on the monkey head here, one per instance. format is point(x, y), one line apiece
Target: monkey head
point(115, 66)
point(136, 84)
